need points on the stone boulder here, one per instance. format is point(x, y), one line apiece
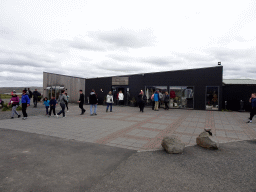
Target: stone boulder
point(206, 140)
point(172, 145)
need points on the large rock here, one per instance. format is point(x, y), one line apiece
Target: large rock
point(205, 140)
point(172, 145)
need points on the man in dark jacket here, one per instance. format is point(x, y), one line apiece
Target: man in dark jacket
point(81, 102)
point(29, 93)
point(253, 111)
point(93, 101)
point(35, 97)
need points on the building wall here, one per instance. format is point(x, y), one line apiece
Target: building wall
point(233, 94)
point(72, 84)
point(198, 78)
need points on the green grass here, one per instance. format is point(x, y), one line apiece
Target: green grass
point(3, 96)
point(6, 108)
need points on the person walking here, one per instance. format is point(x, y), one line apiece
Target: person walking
point(35, 97)
point(121, 98)
point(156, 98)
point(30, 93)
point(141, 101)
point(62, 99)
point(67, 101)
point(109, 101)
point(93, 102)
point(46, 104)
point(25, 102)
point(53, 104)
point(14, 101)
point(153, 101)
point(81, 102)
point(252, 100)
point(166, 101)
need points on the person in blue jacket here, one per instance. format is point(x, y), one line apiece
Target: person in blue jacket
point(46, 104)
point(25, 102)
point(156, 98)
point(253, 111)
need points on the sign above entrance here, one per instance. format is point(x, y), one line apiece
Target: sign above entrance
point(120, 80)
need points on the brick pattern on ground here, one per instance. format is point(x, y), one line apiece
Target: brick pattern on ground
point(126, 127)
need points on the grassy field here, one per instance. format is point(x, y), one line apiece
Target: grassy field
point(3, 96)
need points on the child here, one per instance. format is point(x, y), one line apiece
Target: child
point(14, 101)
point(53, 104)
point(47, 104)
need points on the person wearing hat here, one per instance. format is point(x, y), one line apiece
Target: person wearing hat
point(14, 101)
point(25, 101)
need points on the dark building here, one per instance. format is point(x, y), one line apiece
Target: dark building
point(190, 89)
point(236, 94)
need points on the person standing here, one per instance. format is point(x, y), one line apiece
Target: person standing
point(81, 102)
point(25, 101)
point(156, 98)
point(121, 98)
point(67, 101)
point(166, 101)
point(53, 104)
point(35, 97)
point(29, 93)
point(93, 102)
point(252, 100)
point(14, 101)
point(153, 101)
point(109, 101)
point(141, 101)
point(46, 104)
point(62, 99)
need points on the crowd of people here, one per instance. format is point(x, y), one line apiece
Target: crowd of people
point(51, 104)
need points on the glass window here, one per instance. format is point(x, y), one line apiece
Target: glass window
point(181, 97)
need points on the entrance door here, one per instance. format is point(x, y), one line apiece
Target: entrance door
point(116, 90)
point(212, 98)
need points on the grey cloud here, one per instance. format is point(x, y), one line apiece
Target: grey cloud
point(22, 58)
point(126, 38)
point(79, 43)
point(161, 61)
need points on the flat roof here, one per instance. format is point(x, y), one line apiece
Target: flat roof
point(239, 81)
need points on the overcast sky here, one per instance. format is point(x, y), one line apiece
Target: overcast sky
point(99, 38)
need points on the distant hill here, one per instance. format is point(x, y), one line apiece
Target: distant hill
point(19, 89)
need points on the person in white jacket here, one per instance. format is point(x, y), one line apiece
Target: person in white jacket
point(121, 98)
point(109, 101)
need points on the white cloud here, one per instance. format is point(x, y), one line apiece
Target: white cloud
point(103, 38)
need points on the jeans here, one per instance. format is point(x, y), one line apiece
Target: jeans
point(166, 105)
point(95, 108)
point(109, 104)
point(253, 112)
point(81, 106)
point(24, 108)
point(14, 110)
point(52, 108)
point(46, 108)
point(35, 101)
point(62, 109)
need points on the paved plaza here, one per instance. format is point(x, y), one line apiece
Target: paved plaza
point(128, 128)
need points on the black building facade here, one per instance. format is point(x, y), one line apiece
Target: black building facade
point(236, 94)
point(190, 89)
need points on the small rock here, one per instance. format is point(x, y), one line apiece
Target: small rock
point(172, 145)
point(206, 140)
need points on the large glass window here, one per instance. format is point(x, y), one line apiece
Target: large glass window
point(212, 98)
point(181, 97)
point(149, 90)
